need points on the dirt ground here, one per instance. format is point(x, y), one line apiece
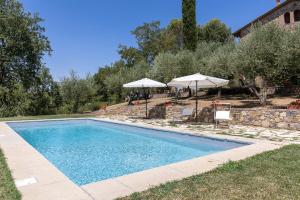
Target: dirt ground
point(205, 101)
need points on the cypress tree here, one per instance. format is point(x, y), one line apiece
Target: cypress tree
point(189, 24)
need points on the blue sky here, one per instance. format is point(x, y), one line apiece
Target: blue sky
point(85, 34)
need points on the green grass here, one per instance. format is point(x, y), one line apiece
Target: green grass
point(8, 190)
point(38, 117)
point(268, 176)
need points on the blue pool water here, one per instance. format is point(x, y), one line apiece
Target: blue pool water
point(88, 151)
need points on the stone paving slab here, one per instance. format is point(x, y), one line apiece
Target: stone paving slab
point(279, 135)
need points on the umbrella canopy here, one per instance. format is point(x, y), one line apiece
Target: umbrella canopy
point(201, 80)
point(198, 81)
point(144, 83)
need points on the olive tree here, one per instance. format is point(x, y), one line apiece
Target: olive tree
point(168, 66)
point(256, 58)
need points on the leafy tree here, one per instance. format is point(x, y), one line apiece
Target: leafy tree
point(44, 96)
point(204, 50)
point(139, 71)
point(14, 101)
point(256, 59)
point(219, 62)
point(130, 55)
point(76, 92)
point(99, 78)
point(259, 51)
point(172, 37)
point(288, 58)
point(189, 24)
point(148, 39)
point(114, 82)
point(168, 66)
point(214, 31)
point(115, 87)
point(24, 45)
point(25, 84)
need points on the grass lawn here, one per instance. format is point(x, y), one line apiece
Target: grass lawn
point(46, 117)
point(8, 189)
point(268, 176)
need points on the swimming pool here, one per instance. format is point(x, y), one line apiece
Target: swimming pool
point(88, 151)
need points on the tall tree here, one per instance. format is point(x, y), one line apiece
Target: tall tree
point(130, 55)
point(189, 24)
point(171, 39)
point(22, 47)
point(148, 40)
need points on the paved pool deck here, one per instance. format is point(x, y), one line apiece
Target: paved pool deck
point(255, 132)
point(26, 162)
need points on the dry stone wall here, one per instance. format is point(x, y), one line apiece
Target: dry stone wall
point(269, 118)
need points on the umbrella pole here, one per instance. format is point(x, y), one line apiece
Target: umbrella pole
point(146, 103)
point(146, 108)
point(196, 101)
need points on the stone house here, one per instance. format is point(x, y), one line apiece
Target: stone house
point(286, 14)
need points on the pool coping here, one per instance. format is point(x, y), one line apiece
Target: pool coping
point(26, 162)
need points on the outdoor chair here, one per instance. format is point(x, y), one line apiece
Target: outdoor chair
point(222, 112)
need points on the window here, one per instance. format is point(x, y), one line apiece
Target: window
point(287, 18)
point(297, 15)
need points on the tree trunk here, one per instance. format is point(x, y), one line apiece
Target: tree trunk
point(262, 95)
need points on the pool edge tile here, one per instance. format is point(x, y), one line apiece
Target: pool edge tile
point(107, 189)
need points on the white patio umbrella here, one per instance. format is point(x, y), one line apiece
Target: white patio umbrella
point(198, 81)
point(145, 83)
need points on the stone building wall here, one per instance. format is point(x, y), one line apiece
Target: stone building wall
point(277, 16)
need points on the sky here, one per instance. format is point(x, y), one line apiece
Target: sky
point(85, 34)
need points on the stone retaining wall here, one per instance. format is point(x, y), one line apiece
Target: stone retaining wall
point(271, 118)
point(268, 118)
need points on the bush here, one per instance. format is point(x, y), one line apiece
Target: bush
point(89, 107)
